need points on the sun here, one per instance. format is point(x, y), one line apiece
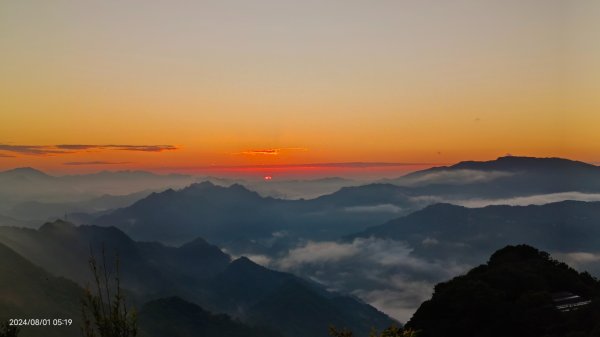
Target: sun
point(267, 178)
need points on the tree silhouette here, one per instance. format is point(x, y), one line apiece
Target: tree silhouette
point(7, 330)
point(392, 331)
point(104, 311)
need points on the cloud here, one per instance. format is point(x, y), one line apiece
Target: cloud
point(271, 152)
point(144, 148)
point(263, 260)
point(430, 241)
point(398, 303)
point(388, 208)
point(34, 150)
point(539, 199)
point(46, 150)
point(77, 163)
point(454, 177)
point(318, 252)
point(3, 155)
point(382, 272)
point(580, 260)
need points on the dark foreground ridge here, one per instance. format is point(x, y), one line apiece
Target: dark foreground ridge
point(514, 294)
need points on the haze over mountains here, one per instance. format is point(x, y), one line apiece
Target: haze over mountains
point(198, 272)
point(222, 247)
point(29, 194)
point(351, 209)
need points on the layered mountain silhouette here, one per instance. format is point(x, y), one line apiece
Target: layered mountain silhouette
point(196, 271)
point(28, 291)
point(517, 293)
point(222, 214)
point(449, 231)
point(504, 177)
point(75, 193)
point(176, 317)
point(234, 216)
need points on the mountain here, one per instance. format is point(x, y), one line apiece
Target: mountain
point(24, 173)
point(149, 269)
point(27, 291)
point(175, 317)
point(27, 184)
point(364, 195)
point(35, 210)
point(196, 271)
point(504, 177)
point(241, 220)
point(297, 189)
point(466, 234)
point(291, 305)
point(517, 293)
point(214, 212)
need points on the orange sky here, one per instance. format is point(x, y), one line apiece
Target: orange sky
point(296, 81)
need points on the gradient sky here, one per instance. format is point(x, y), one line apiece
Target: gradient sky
point(182, 85)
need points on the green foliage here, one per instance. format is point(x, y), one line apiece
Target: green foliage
point(104, 311)
point(8, 331)
point(391, 331)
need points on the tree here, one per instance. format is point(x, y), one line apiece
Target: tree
point(104, 311)
point(7, 330)
point(391, 331)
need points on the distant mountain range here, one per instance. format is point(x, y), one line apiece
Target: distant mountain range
point(449, 231)
point(504, 177)
point(27, 184)
point(196, 271)
point(414, 212)
point(240, 219)
point(29, 194)
point(236, 217)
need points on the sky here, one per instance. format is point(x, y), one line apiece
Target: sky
point(195, 86)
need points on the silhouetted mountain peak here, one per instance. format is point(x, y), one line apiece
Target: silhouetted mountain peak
point(244, 263)
point(440, 207)
point(57, 226)
point(28, 172)
point(515, 163)
point(197, 242)
point(201, 185)
point(206, 187)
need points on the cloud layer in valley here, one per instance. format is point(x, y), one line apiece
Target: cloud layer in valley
point(382, 272)
point(454, 177)
point(539, 199)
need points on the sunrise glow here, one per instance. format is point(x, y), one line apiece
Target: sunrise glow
point(85, 87)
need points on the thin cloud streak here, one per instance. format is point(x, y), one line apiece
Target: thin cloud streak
point(270, 152)
point(82, 163)
point(145, 148)
point(48, 150)
point(33, 150)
